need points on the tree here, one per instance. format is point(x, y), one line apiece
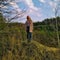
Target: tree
point(16, 12)
point(56, 7)
point(56, 13)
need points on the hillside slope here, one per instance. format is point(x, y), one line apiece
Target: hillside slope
point(31, 51)
point(14, 46)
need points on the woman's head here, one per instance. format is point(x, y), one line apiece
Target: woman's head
point(29, 19)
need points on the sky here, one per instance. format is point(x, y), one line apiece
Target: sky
point(38, 10)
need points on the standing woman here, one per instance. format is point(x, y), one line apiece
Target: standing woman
point(29, 28)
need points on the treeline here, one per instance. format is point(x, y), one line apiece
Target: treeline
point(48, 24)
point(49, 21)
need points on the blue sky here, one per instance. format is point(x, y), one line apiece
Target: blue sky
point(38, 10)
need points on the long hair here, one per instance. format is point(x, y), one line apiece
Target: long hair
point(29, 19)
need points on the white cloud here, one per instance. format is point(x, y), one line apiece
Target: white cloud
point(56, 0)
point(43, 1)
point(33, 13)
point(30, 4)
point(18, 0)
point(53, 5)
point(31, 10)
point(16, 7)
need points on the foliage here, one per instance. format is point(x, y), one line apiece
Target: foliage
point(14, 46)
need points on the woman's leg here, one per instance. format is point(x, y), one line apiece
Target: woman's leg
point(29, 36)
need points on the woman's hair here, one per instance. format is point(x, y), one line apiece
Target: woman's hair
point(29, 19)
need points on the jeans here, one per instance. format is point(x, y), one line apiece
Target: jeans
point(29, 36)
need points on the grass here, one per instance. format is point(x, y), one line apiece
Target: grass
point(14, 45)
point(21, 50)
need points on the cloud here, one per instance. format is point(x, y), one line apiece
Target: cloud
point(18, 0)
point(15, 6)
point(53, 5)
point(32, 10)
point(35, 12)
point(43, 1)
point(30, 4)
point(56, 0)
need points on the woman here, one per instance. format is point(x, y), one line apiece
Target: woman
point(29, 28)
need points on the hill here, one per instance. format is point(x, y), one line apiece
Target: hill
point(47, 34)
point(32, 51)
point(14, 46)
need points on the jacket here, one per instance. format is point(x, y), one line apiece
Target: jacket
point(30, 26)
